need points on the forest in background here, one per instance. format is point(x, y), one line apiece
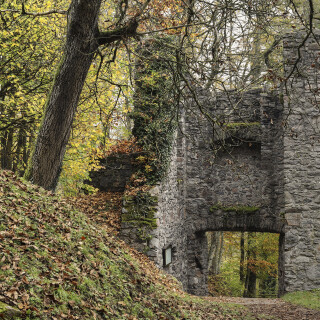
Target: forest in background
point(243, 264)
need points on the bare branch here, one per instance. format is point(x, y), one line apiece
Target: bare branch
point(108, 37)
point(269, 51)
point(310, 31)
point(35, 14)
point(181, 26)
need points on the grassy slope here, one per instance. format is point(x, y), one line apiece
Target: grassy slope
point(55, 263)
point(308, 299)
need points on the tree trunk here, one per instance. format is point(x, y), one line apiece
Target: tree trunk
point(215, 245)
point(83, 39)
point(242, 256)
point(7, 146)
point(81, 43)
point(3, 153)
point(19, 164)
point(28, 147)
point(251, 277)
point(251, 282)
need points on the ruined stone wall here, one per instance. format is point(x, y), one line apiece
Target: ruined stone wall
point(302, 164)
point(232, 172)
point(170, 217)
point(248, 162)
point(114, 173)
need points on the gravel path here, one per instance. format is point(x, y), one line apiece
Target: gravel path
point(273, 308)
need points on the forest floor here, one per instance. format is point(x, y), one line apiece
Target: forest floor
point(60, 262)
point(272, 308)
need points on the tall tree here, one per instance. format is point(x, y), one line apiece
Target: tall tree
point(26, 71)
point(215, 250)
point(204, 53)
point(242, 257)
point(251, 275)
point(83, 40)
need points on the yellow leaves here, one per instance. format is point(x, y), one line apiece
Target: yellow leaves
point(141, 158)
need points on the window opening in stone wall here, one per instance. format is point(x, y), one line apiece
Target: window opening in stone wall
point(243, 264)
point(167, 256)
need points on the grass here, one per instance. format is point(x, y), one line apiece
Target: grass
point(308, 299)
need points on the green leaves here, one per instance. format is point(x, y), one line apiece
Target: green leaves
point(30, 52)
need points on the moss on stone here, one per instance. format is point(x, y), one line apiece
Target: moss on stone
point(139, 211)
point(235, 208)
point(152, 223)
point(242, 124)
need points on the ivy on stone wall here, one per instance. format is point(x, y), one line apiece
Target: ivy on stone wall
point(155, 106)
point(155, 121)
point(140, 209)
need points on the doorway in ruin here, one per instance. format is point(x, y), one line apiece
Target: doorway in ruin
point(244, 264)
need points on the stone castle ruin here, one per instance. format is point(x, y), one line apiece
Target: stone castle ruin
point(256, 169)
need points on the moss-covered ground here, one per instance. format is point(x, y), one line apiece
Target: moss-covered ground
point(309, 299)
point(56, 263)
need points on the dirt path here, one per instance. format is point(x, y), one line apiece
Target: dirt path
point(273, 308)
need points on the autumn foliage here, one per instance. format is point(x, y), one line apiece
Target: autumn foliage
point(56, 263)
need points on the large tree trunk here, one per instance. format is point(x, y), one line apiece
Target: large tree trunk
point(83, 39)
point(215, 245)
point(251, 277)
point(242, 257)
point(81, 43)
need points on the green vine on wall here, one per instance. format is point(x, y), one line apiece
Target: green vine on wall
point(155, 121)
point(140, 209)
point(155, 107)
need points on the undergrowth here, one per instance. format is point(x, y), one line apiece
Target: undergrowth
point(56, 263)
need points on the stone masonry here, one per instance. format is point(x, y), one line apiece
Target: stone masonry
point(249, 162)
point(262, 152)
point(217, 174)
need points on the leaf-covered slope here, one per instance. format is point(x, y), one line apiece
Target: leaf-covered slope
point(55, 263)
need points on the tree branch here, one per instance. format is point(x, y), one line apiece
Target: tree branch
point(34, 14)
point(20, 122)
point(267, 53)
point(127, 31)
point(172, 28)
point(310, 31)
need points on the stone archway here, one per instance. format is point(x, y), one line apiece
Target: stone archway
point(267, 180)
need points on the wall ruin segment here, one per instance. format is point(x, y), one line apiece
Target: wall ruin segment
point(274, 165)
point(264, 155)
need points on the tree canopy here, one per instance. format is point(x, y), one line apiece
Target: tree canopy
point(71, 64)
